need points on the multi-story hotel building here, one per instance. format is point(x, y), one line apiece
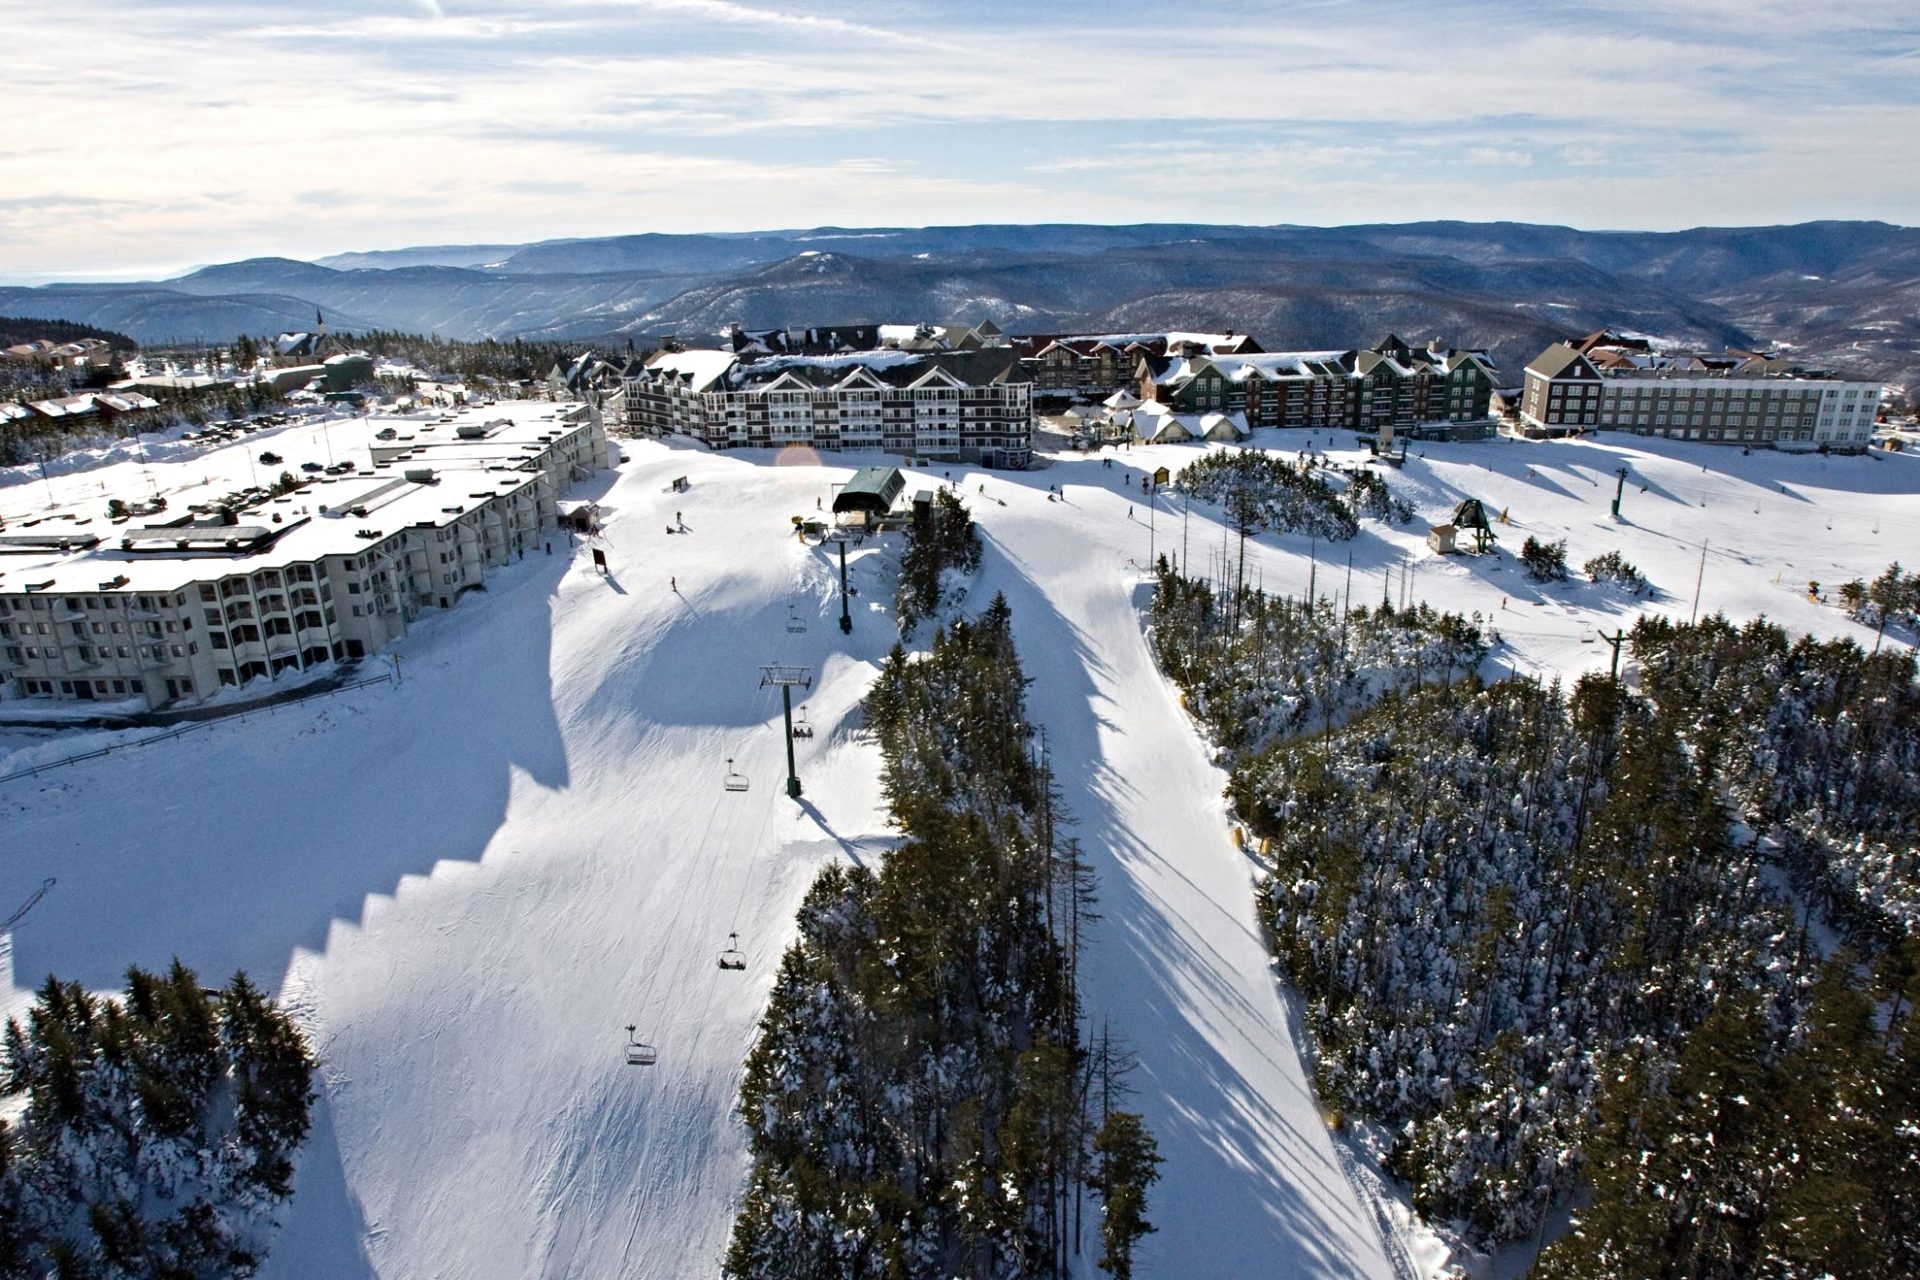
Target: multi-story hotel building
point(1092, 366)
point(1391, 384)
point(329, 572)
point(1737, 398)
point(965, 406)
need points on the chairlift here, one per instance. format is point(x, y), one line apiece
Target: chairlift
point(639, 1053)
point(795, 625)
point(732, 958)
point(735, 781)
point(802, 727)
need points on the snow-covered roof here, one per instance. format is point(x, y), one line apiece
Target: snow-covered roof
point(701, 368)
point(1270, 366)
point(863, 359)
point(332, 516)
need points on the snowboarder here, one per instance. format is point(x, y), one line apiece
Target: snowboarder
point(673, 584)
point(816, 504)
point(1129, 513)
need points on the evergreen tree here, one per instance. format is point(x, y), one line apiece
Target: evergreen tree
point(1129, 1164)
point(158, 1129)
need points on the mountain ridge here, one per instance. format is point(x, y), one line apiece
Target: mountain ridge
point(1844, 293)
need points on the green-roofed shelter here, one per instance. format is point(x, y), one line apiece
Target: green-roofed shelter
point(871, 491)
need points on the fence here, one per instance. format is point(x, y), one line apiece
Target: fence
point(191, 726)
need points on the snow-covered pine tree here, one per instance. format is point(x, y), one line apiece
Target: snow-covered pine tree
point(158, 1130)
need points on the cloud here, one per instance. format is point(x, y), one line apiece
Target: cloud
point(1496, 158)
point(734, 14)
point(502, 119)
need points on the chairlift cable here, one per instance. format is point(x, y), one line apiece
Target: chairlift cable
point(713, 977)
point(653, 974)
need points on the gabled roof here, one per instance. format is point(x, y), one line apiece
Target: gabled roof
point(1369, 362)
point(936, 374)
point(1174, 371)
point(1561, 359)
point(787, 380)
point(861, 376)
point(1479, 359)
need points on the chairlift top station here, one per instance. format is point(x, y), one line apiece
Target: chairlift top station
point(871, 492)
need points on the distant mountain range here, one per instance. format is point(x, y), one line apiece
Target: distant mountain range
point(1845, 294)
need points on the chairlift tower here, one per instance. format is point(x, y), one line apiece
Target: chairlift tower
point(846, 617)
point(786, 678)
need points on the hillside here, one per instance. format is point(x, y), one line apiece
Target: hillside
point(1843, 293)
point(16, 329)
point(466, 885)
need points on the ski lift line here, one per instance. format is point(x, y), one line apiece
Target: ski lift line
point(731, 960)
point(706, 894)
point(741, 898)
point(713, 976)
point(653, 973)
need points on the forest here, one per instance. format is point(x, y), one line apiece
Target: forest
point(920, 1099)
point(156, 1133)
point(1642, 950)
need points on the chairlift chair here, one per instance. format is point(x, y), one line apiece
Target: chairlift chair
point(735, 781)
point(732, 958)
point(802, 727)
point(639, 1053)
point(794, 624)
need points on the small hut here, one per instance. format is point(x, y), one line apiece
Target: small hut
point(1440, 538)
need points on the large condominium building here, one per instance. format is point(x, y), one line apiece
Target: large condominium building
point(330, 572)
point(1391, 384)
point(1736, 398)
point(1092, 366)
point(969, 406)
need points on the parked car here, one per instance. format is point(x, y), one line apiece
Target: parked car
point(270, 458)
point(311, 467)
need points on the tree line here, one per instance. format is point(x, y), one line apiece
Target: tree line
point(1649, 953)
point(920, 1100)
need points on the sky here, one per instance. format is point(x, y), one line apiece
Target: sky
point(147, 137)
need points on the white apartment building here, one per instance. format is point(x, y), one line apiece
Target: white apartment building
point(971, 406)
point(1745, 400)
point(330, 572)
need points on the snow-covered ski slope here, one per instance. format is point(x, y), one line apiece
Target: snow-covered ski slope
point(467, 885)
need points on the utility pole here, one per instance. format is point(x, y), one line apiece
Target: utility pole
point(786, 678)
point(1702, 577)
point(1617, 639)
point(846, 618)
point(1186, 504)
point(1152, 491)
point(1619, 489)
point(1313, 568)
